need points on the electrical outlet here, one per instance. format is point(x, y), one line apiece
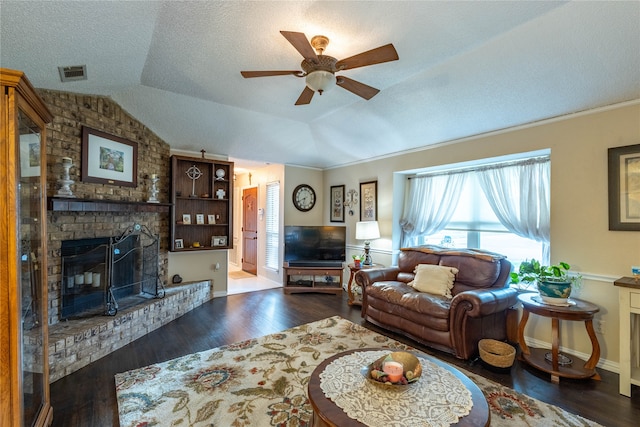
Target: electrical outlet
point(598, 325)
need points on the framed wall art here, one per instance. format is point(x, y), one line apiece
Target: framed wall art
point(108, 159)
point(199, 219)
point(218, 240)
point(337, 203)
point(186, 219)
point(624, 188)
point(179, 244)
point(30, 155)
point(369, 201)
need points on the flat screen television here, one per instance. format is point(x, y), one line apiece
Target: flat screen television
point(314, 246)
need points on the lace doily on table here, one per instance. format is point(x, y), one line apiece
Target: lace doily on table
point(437, 399)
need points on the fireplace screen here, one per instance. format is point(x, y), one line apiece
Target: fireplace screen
point(103, 275)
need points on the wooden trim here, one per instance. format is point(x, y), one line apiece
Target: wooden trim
point(21, 83)
point(59, 204)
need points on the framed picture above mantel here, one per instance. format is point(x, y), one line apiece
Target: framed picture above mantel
point(108, 159)
point(624, 188)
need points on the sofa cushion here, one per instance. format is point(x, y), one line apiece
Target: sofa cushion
point(403, 297)
point(434, 279)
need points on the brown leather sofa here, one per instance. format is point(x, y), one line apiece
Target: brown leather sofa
point(478, 309)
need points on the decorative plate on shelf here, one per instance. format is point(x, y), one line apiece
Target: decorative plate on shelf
point(220, 174)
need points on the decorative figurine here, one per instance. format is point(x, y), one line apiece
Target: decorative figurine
point(153, 190)
point(65, 182)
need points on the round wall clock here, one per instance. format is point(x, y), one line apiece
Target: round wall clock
point(304, 198)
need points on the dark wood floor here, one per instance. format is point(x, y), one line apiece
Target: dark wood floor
point(87, 397)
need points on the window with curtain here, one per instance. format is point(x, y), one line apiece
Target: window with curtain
point(272, 220)
point(501, 207)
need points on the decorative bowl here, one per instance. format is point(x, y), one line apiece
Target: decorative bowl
point(412, 369)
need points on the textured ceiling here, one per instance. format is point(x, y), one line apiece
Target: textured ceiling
point(465, 68)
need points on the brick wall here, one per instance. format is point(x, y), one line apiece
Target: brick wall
point(64, 139)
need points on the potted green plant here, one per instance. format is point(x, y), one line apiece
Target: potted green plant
point(357, 260)
point(553, 281)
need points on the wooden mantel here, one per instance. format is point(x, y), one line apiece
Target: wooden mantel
point(61, 204)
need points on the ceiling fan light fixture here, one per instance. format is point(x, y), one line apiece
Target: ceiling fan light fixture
point(320, 81)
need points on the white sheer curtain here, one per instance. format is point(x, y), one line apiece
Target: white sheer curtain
point(429, 204)
point(520, 197)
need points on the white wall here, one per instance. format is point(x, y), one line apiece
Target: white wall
point(295, 176)
point(196, 266)
point(579, 204)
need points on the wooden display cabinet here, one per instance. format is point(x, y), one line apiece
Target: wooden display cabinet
point(202, 204)
point(24, 362)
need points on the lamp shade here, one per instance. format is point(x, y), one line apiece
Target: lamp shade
point(320, 81)
point(367, 230)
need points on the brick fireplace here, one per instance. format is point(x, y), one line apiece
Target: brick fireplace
point(102, 275)
point(102, 211)
point(99, 210)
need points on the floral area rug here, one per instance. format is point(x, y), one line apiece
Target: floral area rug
point(263, 382)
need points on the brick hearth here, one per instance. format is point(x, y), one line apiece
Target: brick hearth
point(76, 343)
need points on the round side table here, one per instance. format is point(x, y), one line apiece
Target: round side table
point(351, 297)
point(554, 362)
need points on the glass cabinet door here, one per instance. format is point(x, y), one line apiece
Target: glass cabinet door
point(24, 367)
point(30, 223)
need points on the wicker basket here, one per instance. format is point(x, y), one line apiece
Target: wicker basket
point(497, 353)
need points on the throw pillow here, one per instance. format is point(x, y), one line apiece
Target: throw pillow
point(434, 279)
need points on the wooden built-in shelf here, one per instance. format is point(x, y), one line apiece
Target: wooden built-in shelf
point(201, 188)
point(60, 204)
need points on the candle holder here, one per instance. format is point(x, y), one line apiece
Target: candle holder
point(65, 182)
point(153, 190)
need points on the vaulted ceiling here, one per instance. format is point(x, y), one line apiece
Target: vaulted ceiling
point(465, 68)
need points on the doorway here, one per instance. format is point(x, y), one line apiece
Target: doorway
point(250, 230)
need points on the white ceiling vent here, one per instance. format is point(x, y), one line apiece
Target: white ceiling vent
point(73, 73)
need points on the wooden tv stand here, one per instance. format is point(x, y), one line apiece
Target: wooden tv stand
point(326, 280)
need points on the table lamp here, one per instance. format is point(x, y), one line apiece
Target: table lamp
point(367, 230)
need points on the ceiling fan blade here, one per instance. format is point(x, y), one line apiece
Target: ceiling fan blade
point(305, 96)
point(249, 74)
point(378, 55)
point(360, 89)
point(302, 45)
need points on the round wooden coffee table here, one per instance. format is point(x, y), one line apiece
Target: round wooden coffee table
point(326, 413)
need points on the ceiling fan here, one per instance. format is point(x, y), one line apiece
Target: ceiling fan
point(319, 70)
